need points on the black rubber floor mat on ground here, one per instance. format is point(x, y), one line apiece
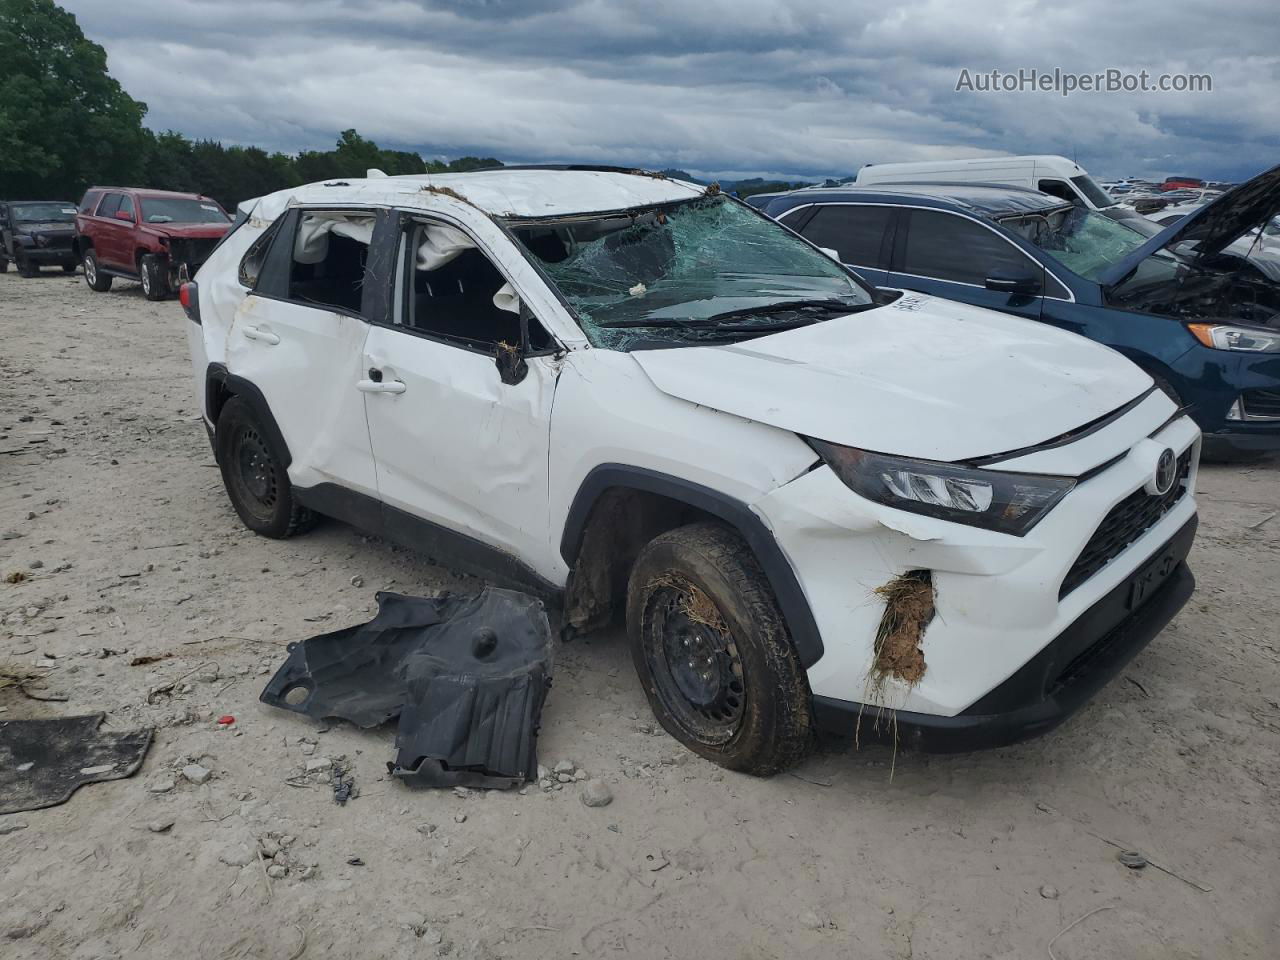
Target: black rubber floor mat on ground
point(43, 762)
point(467, 674)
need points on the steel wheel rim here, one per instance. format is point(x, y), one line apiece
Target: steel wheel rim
point(253, 469)
point(696, 669)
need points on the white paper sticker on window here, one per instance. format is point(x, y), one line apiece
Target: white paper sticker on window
point(209, 206)
point(68, 209)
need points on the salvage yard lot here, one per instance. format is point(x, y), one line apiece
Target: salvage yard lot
point(111, 504)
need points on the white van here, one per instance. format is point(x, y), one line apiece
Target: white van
point(1056, 176)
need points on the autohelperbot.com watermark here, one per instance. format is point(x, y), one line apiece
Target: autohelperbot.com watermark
point(1065, 83)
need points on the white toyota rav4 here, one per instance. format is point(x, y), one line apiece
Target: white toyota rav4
point(817, 505)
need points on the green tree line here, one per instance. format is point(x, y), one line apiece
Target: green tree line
point(66, 124)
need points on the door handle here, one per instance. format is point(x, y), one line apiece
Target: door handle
point(380, 386)
point(257, 333)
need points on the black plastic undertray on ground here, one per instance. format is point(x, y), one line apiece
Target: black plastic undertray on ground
point(466, 673)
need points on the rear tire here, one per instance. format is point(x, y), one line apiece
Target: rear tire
point(26, 268)
point(70, 267)
point(256, 480)
point(4, 264)
point(713, 652)
point(154, 274)
point(96, 281)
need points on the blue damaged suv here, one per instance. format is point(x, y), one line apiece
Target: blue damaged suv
point(1196, 305)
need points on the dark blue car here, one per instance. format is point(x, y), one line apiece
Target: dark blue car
point(1197, 305)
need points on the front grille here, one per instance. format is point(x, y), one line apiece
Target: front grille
point(191, 251)
point(1128, 520)
point(1261, 403)
point(54, 241)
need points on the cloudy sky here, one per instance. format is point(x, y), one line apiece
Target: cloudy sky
point(724, 87)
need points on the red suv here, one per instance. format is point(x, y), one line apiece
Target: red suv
point(146, 235)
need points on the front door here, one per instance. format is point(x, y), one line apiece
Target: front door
point(299, 337)
point(454, 444)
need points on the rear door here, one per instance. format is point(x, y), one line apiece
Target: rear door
point(860, 233)
point(299, 338)
point(111, 236)
point(953, 256)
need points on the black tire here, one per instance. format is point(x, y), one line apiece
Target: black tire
point(4, 264)
point(27, 268)
point(70, 267)
point(742, 699)
point(96, 281)
point(154, 273)
point(257, 482)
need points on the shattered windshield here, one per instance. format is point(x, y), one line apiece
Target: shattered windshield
point(1084, 242)
point(693, 272)
point(43, 212)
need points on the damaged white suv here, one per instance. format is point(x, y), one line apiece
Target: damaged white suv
point(809, 499)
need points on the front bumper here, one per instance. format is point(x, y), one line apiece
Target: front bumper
point(1053, 684)
point(43, 255)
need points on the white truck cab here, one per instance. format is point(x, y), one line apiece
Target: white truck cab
point(1056, 176)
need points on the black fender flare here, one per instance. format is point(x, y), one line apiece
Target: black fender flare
point(218, 378)
point(782, 578)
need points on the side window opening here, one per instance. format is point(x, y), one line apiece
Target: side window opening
point(945, 246)
point(90, 201)
point(1056, 188)
point(126, 204)
point(855, 231)
point(110, 204)
point(329, 254)
point(457, 294)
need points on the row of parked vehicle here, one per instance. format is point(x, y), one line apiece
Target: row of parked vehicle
point(848, 451)
point(863, 456)
point(152, 236)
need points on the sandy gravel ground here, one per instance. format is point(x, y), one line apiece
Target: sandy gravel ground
point(112, 505)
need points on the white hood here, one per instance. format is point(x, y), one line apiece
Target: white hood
point(922, 377)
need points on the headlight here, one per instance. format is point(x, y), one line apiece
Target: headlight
point(1222, 336)
point(1008, 502)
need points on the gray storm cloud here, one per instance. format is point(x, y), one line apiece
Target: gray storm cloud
point(738, 88)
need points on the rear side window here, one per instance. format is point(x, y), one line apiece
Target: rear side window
point(256, 255)
point(944, 246)
point(90, 201)
point(315, 258)
point(110, 204)
point(126, 204)
point(855, 231)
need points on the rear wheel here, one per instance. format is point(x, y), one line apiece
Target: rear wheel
point(4, 264)
point(95, 280)
point(713, 652)
point(155, 277)
point(256, 480)
point(26, 267)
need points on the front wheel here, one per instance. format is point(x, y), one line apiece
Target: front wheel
point(26, 267)
point(713, 652)
point(257, 482)
point(99, 282)
point(155, 277)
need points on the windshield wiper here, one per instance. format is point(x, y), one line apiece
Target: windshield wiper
point(717, 320)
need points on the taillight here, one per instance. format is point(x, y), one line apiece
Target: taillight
point(189, 297)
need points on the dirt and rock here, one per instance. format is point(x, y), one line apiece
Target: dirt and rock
point(131, 588)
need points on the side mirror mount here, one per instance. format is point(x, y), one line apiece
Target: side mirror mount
point(1021, 283)
point(512, 367)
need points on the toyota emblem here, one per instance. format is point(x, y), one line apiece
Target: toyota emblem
point(1166, 472)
